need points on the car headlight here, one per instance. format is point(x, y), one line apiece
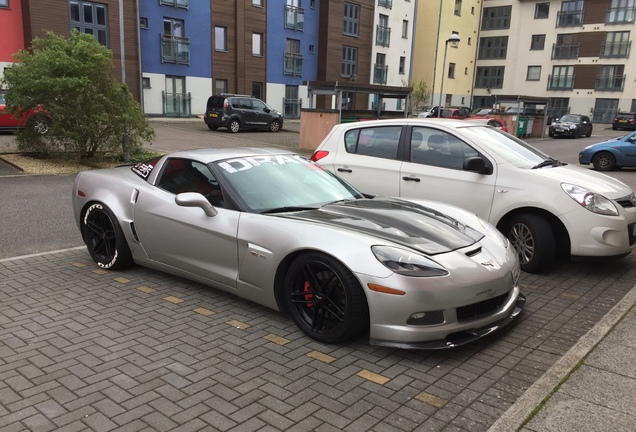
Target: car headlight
point(596, 203)
point(407, 263)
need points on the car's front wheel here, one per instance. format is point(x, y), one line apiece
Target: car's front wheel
point(234, 126)
point(104, 238)
point(604, 161)
point(274, 126)
point(211, 127)
point(325, 299)
point(533, 238)
point(39, 123)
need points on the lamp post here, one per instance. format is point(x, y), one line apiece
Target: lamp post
point(453, 40)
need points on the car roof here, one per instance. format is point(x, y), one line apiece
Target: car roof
point(207, 155)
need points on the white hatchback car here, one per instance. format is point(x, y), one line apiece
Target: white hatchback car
point(542, 205)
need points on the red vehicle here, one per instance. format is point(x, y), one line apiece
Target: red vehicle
point(490, 121)
point(35, 118)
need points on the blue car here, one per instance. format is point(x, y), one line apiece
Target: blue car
point(612, 154)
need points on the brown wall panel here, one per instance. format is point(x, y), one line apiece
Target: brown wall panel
point(591, 43)
point(595, 11)
point(585, 76)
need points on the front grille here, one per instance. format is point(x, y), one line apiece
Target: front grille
point(476, 309)
point(627, 202)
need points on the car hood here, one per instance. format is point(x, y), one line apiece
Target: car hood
point(592, 180)
point(397, 221)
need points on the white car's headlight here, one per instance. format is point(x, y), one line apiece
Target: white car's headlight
point(407, 263)
point(592, 201)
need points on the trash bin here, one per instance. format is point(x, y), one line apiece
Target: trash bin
point(522, 125)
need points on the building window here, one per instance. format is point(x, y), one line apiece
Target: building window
point(380, 69)
point(616, 44)
point(620, 12)
point(451, 70)
point(470, 41)
point(465, 71)
point(294, 16)
point(4, 3)
point(541, 10)
point(458, 7)
point(257, 90)
point(562, 78)
point(496, 18)
point(611, 78)
point(312, 4)
point(293, 58)
point(175, 47)
point(489, 77)
point(91, 18)
point(349, 62)
point(257, 44)
point(493, 47)
point(402, 65)
point(537, 42)
point(472, 10)
point(386, 3)
point(534, 73)
point(220, 86)
point(292, 102)
point(145, 82)
point(405, 29)
point(176, 3)
point(383, 32)
point(558, 107)
point(176, 102)
point(257, 3)
point(571, 14)
point(351, 19)
point(220, 38)
point(566, 46)
point(311, 49)
point(143, 23)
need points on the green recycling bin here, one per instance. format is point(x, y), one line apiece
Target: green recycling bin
point(522, 126)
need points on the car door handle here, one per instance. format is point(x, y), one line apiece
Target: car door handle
point(407, 178)
point(347, 170)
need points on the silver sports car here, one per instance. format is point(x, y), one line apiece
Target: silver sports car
point(277, 229)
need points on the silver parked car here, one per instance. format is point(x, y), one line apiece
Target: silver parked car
point(277, 229)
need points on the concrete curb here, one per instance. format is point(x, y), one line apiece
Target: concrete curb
point(514, 417)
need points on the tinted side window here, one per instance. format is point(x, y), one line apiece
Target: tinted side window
point(374, 141)
point(434, 147)
point(259, 105)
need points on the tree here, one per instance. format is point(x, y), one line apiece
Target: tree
point(72, 80)
point(420, 96)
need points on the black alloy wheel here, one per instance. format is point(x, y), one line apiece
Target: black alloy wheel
point(604, 161)
point(104, 238)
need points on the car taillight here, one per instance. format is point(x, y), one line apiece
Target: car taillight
point(319, 155)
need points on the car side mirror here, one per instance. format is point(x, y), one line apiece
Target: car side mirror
point(267, 110)
point(194, 199)
point(476, 164)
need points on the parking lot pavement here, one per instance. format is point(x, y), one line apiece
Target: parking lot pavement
point(82, 348)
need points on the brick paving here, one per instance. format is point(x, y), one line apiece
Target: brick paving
point(83, 349)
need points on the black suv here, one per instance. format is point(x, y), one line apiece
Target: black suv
point(624, 121)
point(236, 112)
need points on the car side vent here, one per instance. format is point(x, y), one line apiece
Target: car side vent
point(134, 231)
point(473, 252)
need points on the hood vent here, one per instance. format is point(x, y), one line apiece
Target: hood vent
point(473, 252)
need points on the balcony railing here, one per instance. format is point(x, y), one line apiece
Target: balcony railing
point(386, 3)
point(175, 49)
point(615, 49)
point(380, 72)
point(176, 3)
point(383, 36)
point(621, 15)
point(560, 82)
point(609, 82)
point(294, 18)
point(292, 108)
point(293, 64)
point(176, 104)
point(570, 18)
point(565, 51)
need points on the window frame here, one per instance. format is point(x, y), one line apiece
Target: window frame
point(218, 47)
point(257, 44)
point(530, 76)
point(535, 40)
point(349, 66)
point(351, 20)
point(95, 27)
point(489, 46)
point(498, 20)
point(538, 14)
point(4, 4)
point(458, 8)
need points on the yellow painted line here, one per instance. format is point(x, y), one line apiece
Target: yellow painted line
point(79, 264)
point(321, 356)
point(122, 280)
point(277, 339)
point(528, 286)
point(238, 324)
point(173, 299)
point(100, 271)
point(430, 399)
point(146, 289)
point(570, 296)
point(371, 376)
point(203, 311)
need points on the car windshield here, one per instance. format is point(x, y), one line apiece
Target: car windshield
point(284, 181)
point(570, 119)
point(507, 147)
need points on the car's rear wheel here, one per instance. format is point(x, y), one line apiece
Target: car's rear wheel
point(604, 161)
point(104, 238)
point(234, 126)
point(274, 126)
point(39, 123)
point(325, 299)
point(534, 240)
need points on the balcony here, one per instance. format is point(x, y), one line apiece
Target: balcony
point(380, 72)
point(565, 51)
point(570, 19)
point(385, 3)
point(176, 3)
point(615, 49)
point(383, 36)
point(294, 18)
point(293, 64)
point(560, 82)
point(609, 82)
point(621, 15)
point(176, 104)
point(175, 49)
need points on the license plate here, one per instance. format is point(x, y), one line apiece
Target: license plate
point(622, 121)
point(214, 115)
point(560, 130)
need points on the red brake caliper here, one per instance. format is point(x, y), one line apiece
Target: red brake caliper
point(309, 295)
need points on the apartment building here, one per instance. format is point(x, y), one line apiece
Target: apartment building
point(576, 55)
